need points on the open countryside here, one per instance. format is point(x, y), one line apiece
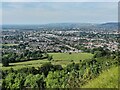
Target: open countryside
point(59, 45)
point(58, 58)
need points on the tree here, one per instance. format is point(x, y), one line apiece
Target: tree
point(19, 81)
point(5, 61)
point(34, 81)
point(73, 80)
point(50, 57)
point(97, 54)
point(45, 68)
point(55, 79)
point(9, 81)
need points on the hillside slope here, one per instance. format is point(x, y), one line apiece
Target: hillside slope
point(107, 79)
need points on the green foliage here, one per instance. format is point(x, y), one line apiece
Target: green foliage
point(45, 68)
point(14, 81)
point(5, 61)
point(48, 75)
point(19, 81)
point(59, 58)
point(107, 79)
point(50, 57)
point(97, 54)
point(55, 80)
point(73, 80)
point(100, 52)
point(34, 81)
point(24, 56)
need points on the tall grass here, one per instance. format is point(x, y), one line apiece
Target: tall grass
point(107, 79)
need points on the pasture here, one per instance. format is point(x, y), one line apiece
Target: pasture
point(72, 56)
point(58, 58)
point(8, 44)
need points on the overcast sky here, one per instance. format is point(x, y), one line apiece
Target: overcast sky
point(59, 12)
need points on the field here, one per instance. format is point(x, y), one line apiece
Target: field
point(107, 79)
point(73, 56)
point(8, 44)
point(58, 58)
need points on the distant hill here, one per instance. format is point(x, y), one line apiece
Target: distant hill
point(109, 26)
point(61, 26)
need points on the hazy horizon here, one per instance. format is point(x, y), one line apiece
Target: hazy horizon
point(59, 23)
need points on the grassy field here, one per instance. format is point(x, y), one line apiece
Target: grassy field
point(58, 58)
point(19, 65)
point(8, 44)
point(107, 79)
point(73, 56)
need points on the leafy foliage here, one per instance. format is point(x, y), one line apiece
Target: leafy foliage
point(74, 75)
point(107, 79)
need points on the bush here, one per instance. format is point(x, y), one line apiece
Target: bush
point(5, 62)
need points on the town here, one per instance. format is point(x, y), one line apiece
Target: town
point(74, 40)
point(70, 44)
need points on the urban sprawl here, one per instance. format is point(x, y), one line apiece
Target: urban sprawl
point(73, 40)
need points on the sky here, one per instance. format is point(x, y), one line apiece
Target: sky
point(60, 0)
point(58, 12)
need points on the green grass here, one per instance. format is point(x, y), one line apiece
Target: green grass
point(8, 44)
point(107, 79)
point(19, 65)
point(73, 56)
point(65, 58)
point(58, 58)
